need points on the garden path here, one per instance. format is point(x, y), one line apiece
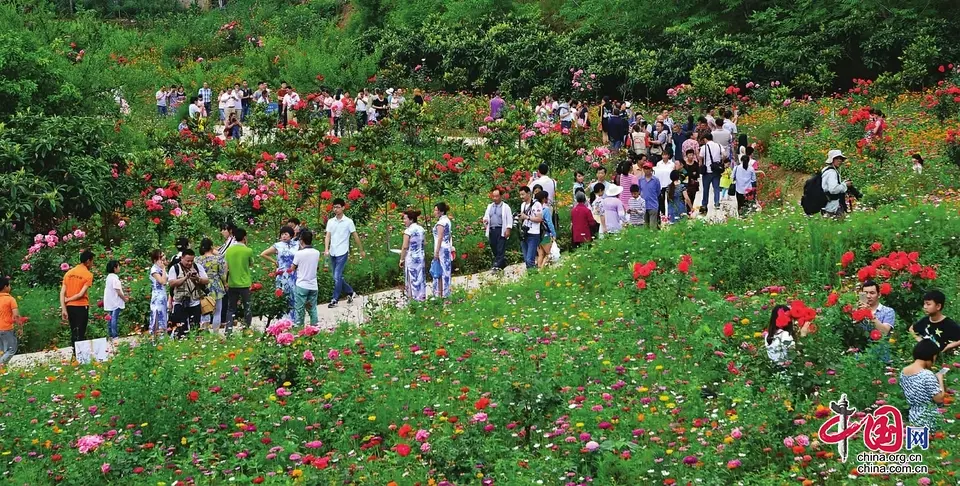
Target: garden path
point(355, 313)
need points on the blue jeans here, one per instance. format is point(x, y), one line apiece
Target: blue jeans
point(340, 286)
point(113, 328)
point(616, 144)
point(306, 303)
point(708, 180)
point(8, 346)
point(529, 247)
point(162, 110)
point(566, 124)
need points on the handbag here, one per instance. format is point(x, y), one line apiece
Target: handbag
point(208, 304)
point(435, 270)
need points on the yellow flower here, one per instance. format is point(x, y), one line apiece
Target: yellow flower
point(328, 396)
point(728, 440)
point(664, 398)
point(658, 367)
point(286, 383)
point(671, 405)
point(758, 334)
point(272, 398)
point(183, 441)
point(372, 418)
point(640, 417)
point(669, 451)
point(296, 473)
point(642, 389)
point(744, 321)
point(579, 425)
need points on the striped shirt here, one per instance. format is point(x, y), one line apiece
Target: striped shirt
point(205, 94)
point(637, 207)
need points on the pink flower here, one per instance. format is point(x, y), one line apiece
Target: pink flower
point(591, 446)
point(309, 330)
point(308, 356)
point(480, 417)
point(105, 468)
point(211, 197)
point(735, 433)
point(88, 443)
point(316, 444)
point(803, 440)
point(64, 266)
point(121, 223)
point(285, 338)
point(280, 156)
point(278, 327)
point(422, 435)
point(788, 442)
point(25, 267)
point(333, 354)
point(425, 447)
point(283, 392)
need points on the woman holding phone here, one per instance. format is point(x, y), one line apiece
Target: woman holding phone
point(923, 388)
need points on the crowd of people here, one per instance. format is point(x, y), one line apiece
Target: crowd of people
point(346, 113)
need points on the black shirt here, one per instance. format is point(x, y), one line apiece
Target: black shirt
point(943, 332)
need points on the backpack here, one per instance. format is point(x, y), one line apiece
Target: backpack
point(814, 199)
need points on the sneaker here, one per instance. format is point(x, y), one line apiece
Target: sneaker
point(332, 304)
point(717, 207)
point(351, 297)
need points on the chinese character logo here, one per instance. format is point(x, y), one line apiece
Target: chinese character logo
point(883, 430)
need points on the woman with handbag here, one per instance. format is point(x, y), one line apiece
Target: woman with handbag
point(441, 269)
point(548, 232)
point(211, 306)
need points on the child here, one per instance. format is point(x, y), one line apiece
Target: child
point(917, 163)
point(936, 326)
point(114, 299)
point(725, 181)
point(675, 197)
point(577, 182)
point(8, 315)
point(636, 207)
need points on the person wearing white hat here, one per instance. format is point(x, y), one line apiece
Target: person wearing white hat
point(613, 211)
point(833, 186)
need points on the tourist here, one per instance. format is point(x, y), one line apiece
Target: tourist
point(184, 124)
point(216, 268)
point(675, 194)
point(583, 115)
point(336, 112)
point(188, 281)
point(659, 141)
point(246, 96)
point(305, 264)
point(443, 250)
point(161, 96)
point(336, 245)
point(226, 230)
point(543, 111)
point(291, 100)
point(936, 326)
point(596, 207)
point(195, 110)
point(235, 106)
point(9, 314)
point(363, 99)
point(582, 222)
point(282, 113)
point(496, 106)
point(286, 279)
point(578, 179)
point(690, 172)
point(497, 221)
point(412, 257)
point(681, 136)
point(636, 208)
point(239, 258)
point(232, 129)
point(113, 299)
point(711, 156)
point(662, 171)
point(781, 336)
point(617, 130)
point(205, 95)
point(832, 186)
point(924, 389)
point(627, 175)
point(418, 99)
point(294, 224)
point(182, 243)
point(639, 143)
point(565, 113)
point(541, 178)
point(729, 125)
point(74, 299)
point(650, 191)
point(549, 237)
point(614, 214)
point(225, 103)
point(158, 295)
point(530, 218)
point(917, 163)
point(379, 105)
point(744, 179)
point(601, 179)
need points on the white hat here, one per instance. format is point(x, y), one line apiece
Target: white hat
point(627, 104)
point(612, 190)
point(389, 90)
point(834, 154)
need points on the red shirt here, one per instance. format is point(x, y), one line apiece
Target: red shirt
point(581, 218)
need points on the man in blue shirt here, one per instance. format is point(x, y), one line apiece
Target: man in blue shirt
point(650, 192)
point(883, 319)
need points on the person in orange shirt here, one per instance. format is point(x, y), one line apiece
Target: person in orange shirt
point(8, 315)
point(74, 302)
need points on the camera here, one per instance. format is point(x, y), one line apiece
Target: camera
point(853, 191)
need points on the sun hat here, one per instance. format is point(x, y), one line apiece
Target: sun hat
point(834, 154)
point(612, 190)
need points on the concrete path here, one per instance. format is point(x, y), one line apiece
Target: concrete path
point(355, 313)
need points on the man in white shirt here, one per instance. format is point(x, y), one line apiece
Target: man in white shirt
point(498, 219)
point(235, 102)
point(730, 126)
point(290, 101)
point(723, 137)
point(540, 178)
point(162, 101)
point(566, 114)
point(305, 263)
point(712, 156)
point(336, 245)
point(363, 101)
point(662, 172)
point(530, 217)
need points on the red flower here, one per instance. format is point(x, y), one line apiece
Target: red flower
point(403, 450)
point(862, 315)
point(156, 220)
point(783, 319)
point(56, 457)
point(885, 288)
point(875, 247)
point(684, 265)
point(481, 403)
point(728, 329)
point(732, 368)
point(846, 259)
point(128, 204)
point(866, 273)
point(354, 194)
point(463, 256)
point(875, 335)
point(405, 431)
point(833, 298)
point(193, 396)
point(641, 284)
point(325, 195)
point(481, 245)
point(928, 273)
point(258, 480)
point(256, 286)
point(278, 292)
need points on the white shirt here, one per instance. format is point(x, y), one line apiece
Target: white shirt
point(662, 172)
point(236, 101)
point(533, 210)
point(161, 98)
point(361, 104)
point(224, 100)
point(711, 152)
point(506, 218)
point(307, 260)
point(112, 300)
point(194, 110)
point(290, 99)
point(547, 184)
point(723, 137)
point(340, 230)
point(778, 349)
point(730, 126)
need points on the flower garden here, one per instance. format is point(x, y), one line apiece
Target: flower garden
point(639, 360)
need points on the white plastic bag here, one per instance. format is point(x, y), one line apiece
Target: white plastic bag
point(554, 252)
point(94, 349)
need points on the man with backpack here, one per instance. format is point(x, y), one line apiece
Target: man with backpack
point(189, 283)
